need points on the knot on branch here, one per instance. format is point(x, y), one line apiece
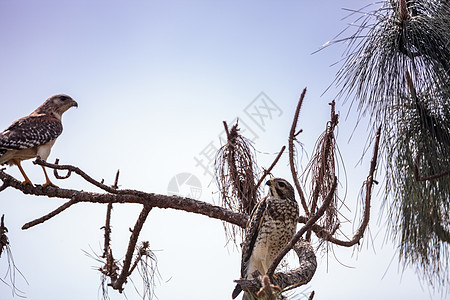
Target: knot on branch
point(55, 172)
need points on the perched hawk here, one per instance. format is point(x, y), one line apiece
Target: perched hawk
point(34, 135)
point(271, 226)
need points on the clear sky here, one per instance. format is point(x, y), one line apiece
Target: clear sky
point(154, 80)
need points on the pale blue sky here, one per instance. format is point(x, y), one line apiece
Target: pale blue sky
point(154, 80)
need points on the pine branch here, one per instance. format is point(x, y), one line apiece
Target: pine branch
point(292, 138)
point(120, 196)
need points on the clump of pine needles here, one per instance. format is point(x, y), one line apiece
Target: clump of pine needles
point(399, 36)
point(398, 70)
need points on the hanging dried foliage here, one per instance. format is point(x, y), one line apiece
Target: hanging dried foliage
point(321, 172)
point(236, 171)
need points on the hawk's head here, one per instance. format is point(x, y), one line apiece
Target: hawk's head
point(56, 105)
point(280, 188)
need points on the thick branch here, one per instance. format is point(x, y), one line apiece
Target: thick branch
point(127, 196)
point(292, 138)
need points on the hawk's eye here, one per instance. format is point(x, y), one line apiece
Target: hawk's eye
point(281, 184)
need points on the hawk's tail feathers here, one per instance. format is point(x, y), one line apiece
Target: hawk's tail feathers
point(237, 290)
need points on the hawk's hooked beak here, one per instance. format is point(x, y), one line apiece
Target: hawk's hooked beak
point(269, 182)
point(74, 103)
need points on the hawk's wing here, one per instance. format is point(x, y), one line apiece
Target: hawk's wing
point(30, 131)
point(251, 233)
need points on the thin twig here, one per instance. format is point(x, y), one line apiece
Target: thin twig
point(118, 284)
point(267, 172)
point(50, 215)
point(116, 181)
point(292, 164)
point(107, 228)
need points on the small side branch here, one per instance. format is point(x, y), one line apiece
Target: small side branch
point(267, 172)
point(50, 215)
point(118, 284)
point(76, 170)
point(420, 178)
point(327, 236)
point(3, 238)
point(107, 230)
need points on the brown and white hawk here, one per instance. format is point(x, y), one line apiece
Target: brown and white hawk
point(271, 226)
point(34, 135)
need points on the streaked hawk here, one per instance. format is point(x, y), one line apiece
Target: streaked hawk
point(34, 135)
point(271, 226)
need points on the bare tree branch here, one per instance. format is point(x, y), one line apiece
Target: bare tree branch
point(125, 196)
point(267, 172)
point(420, 178)
point(71, 169)
point(325, 235)
point(49, 215)
point(292, 138)
point(236, 171)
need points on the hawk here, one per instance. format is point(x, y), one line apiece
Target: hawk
point(34, 135)
point(271, 226)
